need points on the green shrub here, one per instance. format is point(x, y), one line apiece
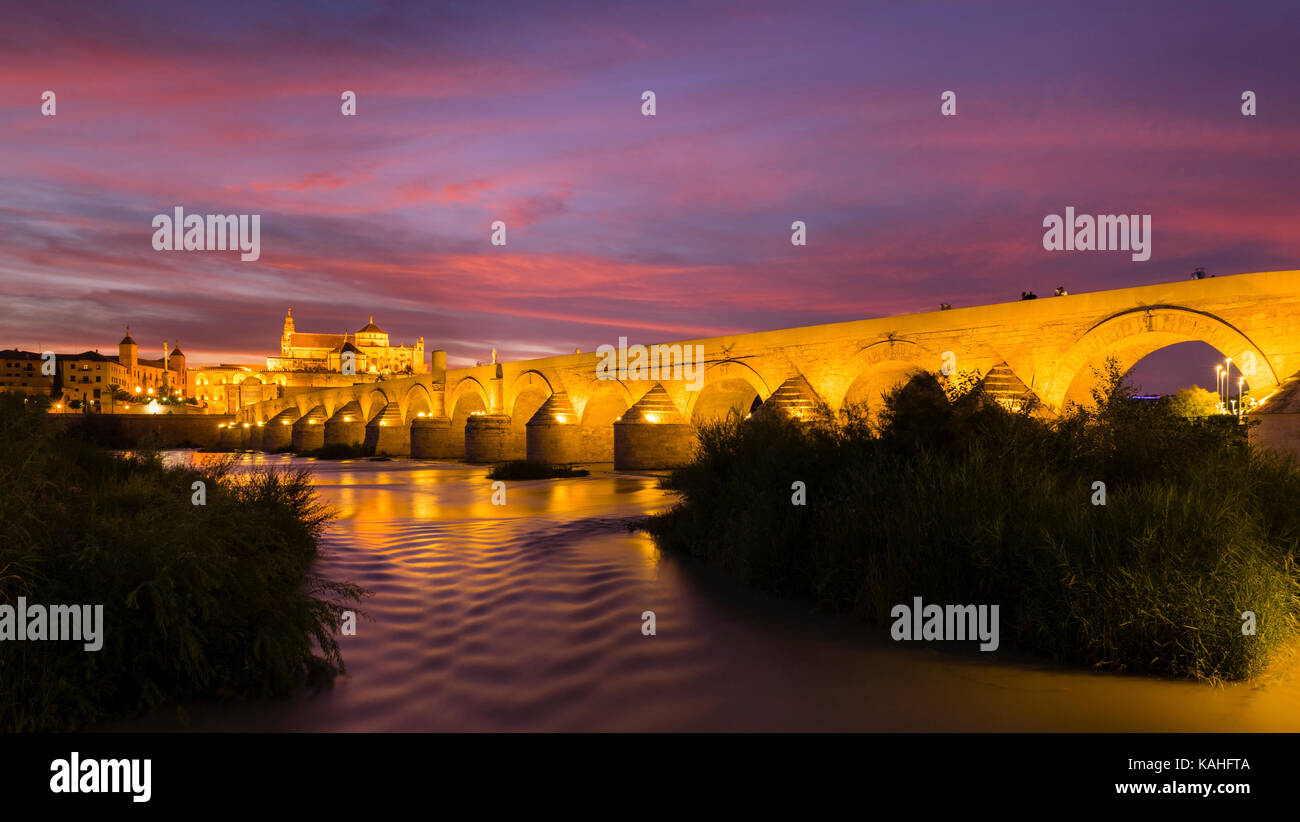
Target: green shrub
point(205, 601)
point(530, 469)
point(952, 498)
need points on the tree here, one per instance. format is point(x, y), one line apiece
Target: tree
point(1194, 402)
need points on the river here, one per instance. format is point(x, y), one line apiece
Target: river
point(528, 616)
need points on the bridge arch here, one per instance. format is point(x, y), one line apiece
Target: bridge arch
point(602, 402)
point(528, 392)
point(730, 384)
point(529, 377)
point(1130, 335)
point(881, 366)
point(416, 401)
point(467, 391)
point(373, 402)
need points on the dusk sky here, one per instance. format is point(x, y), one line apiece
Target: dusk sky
point(656, 228)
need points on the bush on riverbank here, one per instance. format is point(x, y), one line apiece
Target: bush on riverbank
point(200, 601)
point(337, 451)
point(956, 500)
point(531, 469)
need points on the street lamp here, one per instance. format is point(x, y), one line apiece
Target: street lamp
point(1227, 385)
point(1218, 382)
point(1240, 383)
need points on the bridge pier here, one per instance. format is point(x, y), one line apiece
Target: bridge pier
point(347, 426)
point(255, 436)
point(309, 431)
point(792, 398)
point(230, 435)
point(486, 437)
point(652, 434)
point(385, 434)
point(553, 435)
point(244, 435)
point(432, 439)
point(277, 435)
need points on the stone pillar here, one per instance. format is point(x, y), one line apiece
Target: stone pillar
point(652, 434)
point(347, 426)
point(277, 435)
point(255, 436)
point(553, 435)
point(497, 393)
point(486, 436)
point(387, 434)
point(230, 435)
point(309, 431)
point(432, 439)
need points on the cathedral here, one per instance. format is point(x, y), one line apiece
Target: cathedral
point(372, 353)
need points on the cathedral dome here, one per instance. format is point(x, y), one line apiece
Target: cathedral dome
point(371, 328)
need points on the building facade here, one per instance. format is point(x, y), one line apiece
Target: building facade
point(100, 383)
point(21, 372)
point(371, 351)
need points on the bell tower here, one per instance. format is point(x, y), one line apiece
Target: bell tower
point(286, 338)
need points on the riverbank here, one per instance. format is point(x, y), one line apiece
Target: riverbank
point(956, 500)
point(202, 578)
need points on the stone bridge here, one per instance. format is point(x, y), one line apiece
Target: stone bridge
point(556, 410)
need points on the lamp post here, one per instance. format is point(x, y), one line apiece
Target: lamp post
point(1227, 377)
point(1241, 409)
point(1218, 383)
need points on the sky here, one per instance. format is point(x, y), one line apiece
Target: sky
point(660, 228)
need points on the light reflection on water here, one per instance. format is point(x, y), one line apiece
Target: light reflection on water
point(528, 617)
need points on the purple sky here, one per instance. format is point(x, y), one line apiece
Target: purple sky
point(655, 228)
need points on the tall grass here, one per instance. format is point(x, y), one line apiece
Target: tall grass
point(200, 601)
point(947, 496)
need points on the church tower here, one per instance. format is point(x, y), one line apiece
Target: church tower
point(286, 339)
point(176, 362)
point(127, 351)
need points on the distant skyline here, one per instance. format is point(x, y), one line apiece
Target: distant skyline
point(656, 228)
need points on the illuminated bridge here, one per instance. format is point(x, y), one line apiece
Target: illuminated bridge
point(556, 410)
